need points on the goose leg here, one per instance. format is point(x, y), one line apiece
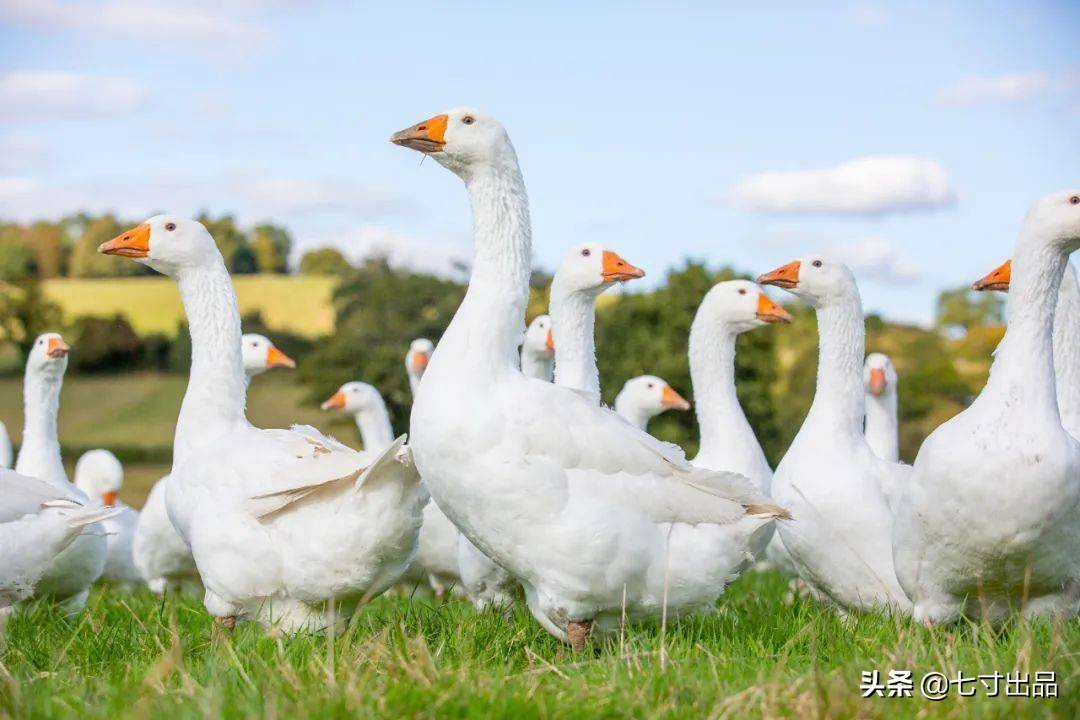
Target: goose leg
point(578, 632)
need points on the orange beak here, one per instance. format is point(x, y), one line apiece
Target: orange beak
point(877, 381)
point(549, 341)
point(335, 402)
point(135, 243)
point(785, 276)
point(109, 498)
point(276, 358)
point(615, 269)
point(770, 312)
point(998, 279)
point(426, 137)
point(671, 400)
point(419, 361)
point(57, 348)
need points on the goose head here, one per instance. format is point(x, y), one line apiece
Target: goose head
point(589, 268)
point(879, 375)
point(651, 394)
point(260, 355)
point(815, 279)
point(741, 305)
point(48, 356)
point(997, 279)
point(355, 398)
point(418, 356)
point(99, 474)
point(1055, 219)
point(166, 243)
point(538, 339)
point(460, 140)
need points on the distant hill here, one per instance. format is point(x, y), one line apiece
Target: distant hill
point(297, 304)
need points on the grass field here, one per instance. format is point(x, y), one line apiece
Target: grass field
point(140, 657)
point(298, 304)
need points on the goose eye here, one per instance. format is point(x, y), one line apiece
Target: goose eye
point(816, 263)
point(586, 252)
point(1075, 200)
point(170, 226)
point(651, 386)
point(468, 120)
point(742, 291)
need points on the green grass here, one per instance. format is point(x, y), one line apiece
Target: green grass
point(141, 657)
point(298, 304)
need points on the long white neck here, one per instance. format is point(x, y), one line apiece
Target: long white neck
point(484, 334)
point(839, 402)
point(536, 365)
point(1067, 350)
point(633, 412)
point(375, 431)
point(573, 320)
point(1024, 360)
point(39, 455)
point(414, 382)
point(5, 447)
point(217, 387)
point(720, 417)
point(882, 432)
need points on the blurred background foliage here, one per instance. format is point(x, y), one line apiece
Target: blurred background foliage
point(378, 310)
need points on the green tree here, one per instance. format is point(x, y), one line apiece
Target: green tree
point(87, 262)
point(17, 262)
point(379, 311)
point(232, 243)
point(271, 245)
point(968, 309)
point(49, 243)
point(25, 313)
point(323, 261)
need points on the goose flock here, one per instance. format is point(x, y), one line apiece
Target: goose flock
point(517, 482)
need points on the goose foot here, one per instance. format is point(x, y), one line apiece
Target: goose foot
point(578, 632)
point(226, 621)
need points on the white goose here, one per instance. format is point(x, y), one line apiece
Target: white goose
point(7, 454)
point(1066, 339)
point(538, 349)
point(989, 522)
point(591, 514)
point(38, 522)
point(416, 361)
point(99, 474)
point(437, 548)
point(882, 429)
point(727, 441)
point(586, 271)
point(74, 570)
point(287, 527)
point(644, 397)
point(837, 489)
point(161, 556)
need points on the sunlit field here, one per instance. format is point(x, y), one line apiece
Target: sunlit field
point(297, 304)
point(757, 656)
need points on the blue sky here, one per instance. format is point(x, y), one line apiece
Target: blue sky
point(908, 139)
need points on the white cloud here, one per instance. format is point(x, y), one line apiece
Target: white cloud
point(1011, 88)
point(442, 258)
point(868, 14)
point(276, 196)
point(170, 24)
point(57, 95)
point(873, 185)
point(877, 258)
